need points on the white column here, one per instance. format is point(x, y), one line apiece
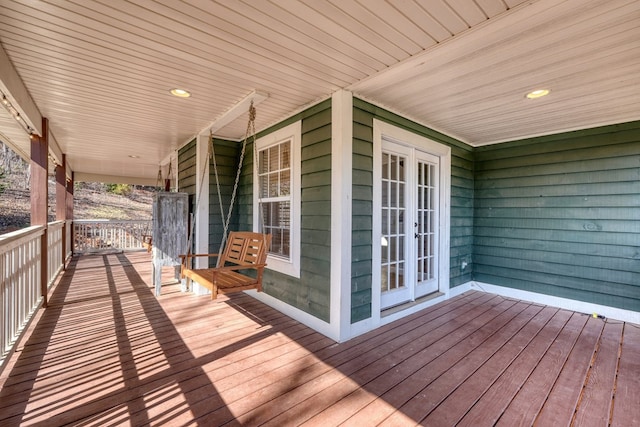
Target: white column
point(201, 211)
point(341, 208)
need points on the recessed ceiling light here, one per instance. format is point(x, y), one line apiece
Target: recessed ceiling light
point(538, 93)
point(133, 156)
point(180, 93)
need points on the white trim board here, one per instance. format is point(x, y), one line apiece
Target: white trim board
point(201, 213)
point(341, 213)
point(565, 303)
point(368, 325)
point(303, 317)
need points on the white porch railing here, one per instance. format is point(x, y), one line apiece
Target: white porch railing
point(20, 278)
point(21, 264)
point(98, 235)
point(54, 251)
point(69, 231)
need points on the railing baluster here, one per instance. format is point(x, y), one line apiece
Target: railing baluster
point(19, 282)
point(96, 235)
point(20, 265)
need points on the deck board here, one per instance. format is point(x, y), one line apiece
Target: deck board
point(466, 396)
point(626, 411)
point(427, 367)
point(489, 408)
point(108, 352)
point(597, 394)
point(563, 399)
point(531, 397)
point(364, 368)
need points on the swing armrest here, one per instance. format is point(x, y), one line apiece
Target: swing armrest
point(185, 259)
point(195, 255)
point(239, 267)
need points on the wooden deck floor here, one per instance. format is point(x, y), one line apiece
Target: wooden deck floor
point(107, 352)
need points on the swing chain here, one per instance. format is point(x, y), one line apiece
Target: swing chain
point(210, 154)
point(215, 172)
point(159, 178)
point(251, 129)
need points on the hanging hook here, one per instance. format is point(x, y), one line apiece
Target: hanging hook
point(159, 178)
point(167, 181)
point(252, 112)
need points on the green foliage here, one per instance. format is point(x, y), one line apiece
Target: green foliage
point(3, 186)
point(119, 189)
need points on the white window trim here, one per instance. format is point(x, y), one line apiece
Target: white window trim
point(294, 133)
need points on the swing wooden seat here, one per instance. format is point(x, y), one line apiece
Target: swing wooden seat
point(245, 252)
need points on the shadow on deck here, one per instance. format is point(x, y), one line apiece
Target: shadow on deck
point(108, 352)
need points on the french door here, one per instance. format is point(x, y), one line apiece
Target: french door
point(409, 223)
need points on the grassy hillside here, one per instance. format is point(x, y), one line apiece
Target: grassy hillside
point(91, 200)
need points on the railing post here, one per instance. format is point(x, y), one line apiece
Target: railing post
point(20, 278)
point(69, 210)
point(61, 203)
point(39, 196)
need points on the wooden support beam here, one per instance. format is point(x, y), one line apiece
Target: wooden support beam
point(61, 203)
point(69, 201)
point(61, 191)
point(69, 198)
point(39, 196)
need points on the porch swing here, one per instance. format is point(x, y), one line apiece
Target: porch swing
point(240, 266)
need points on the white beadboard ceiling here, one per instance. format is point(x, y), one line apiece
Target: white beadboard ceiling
point(101, 70)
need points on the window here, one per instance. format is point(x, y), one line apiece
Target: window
point(274, 197)
point(276, 187)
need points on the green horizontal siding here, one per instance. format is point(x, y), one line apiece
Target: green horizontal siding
point(557, 215)
point(361, 219)
point(311, 292)
point(187, 168)
point(226, 153)
point(226, 156)
point(560, 215)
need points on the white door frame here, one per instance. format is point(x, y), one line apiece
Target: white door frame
point(422, 143)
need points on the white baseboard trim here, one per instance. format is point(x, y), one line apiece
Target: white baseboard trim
point(305, 318)
point(412, 308)
point(460, 289)
point(284, 308)
point(369, 324)
point(565, 303)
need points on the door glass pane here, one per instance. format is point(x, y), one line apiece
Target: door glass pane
point(384, 285)
point(426, 220)
point(393, 211)
point(393, 161)
point(384, 252)
point(385, 195)
point(393, 194)
point(385, 166)
point(393, 248)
